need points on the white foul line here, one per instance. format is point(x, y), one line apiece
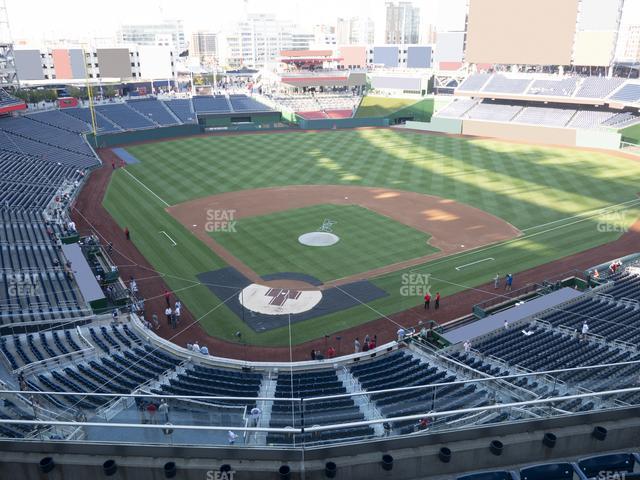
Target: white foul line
point(148, 189)
point(170, 239)
point(473, 263)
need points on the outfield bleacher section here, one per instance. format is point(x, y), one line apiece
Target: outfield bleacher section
point(629, 93)
point(183, 109)
point(496, 111)
point(155, 111)
point(598, 87)
point(125, 117)
point(320, 105)
point(550, 116)
point(103, 125)
point(560, 115)
point(242, 103)
point(520, 86)
point(503, 84)
point(590, 119)
point(211, 104)
point(570, 101)
point(61, 120)
point(564, 87)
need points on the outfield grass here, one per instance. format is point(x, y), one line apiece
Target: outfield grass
point(538, 189)
point(381, 106)
point(367, 241)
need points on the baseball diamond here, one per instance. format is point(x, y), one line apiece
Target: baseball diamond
point(472, 198)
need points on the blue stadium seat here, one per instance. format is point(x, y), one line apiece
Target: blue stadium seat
point(551, 471)
point(499, 475)
point(125, 117)
point(615, 462)
point(155, 111)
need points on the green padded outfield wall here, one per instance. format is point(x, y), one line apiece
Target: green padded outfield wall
point(421, 111)
point(108, 140)
point(334, 123)
point(262, 118)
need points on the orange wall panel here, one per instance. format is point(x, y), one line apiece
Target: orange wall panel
point(62, 63)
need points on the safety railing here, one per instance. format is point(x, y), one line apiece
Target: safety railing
point(307, 436)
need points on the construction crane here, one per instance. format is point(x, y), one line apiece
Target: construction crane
point(8, 73)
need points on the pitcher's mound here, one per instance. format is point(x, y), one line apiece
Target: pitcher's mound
point(318, 239)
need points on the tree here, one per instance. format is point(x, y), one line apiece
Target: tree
point(36, 95)
point(109, 91)
point(76, 92)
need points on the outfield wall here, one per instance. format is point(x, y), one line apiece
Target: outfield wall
point(520, 133)
point(333, 123)
point(570, 137)
point(441, 125)
point(236, 119)
point(608, 140)
point(121, 138)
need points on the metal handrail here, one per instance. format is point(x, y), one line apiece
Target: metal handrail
point(320, 428)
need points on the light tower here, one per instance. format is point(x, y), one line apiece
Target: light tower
point(8, 73)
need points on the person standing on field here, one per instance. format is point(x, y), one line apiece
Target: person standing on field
point(437, 304)
point(508, 282)
point(427, 301)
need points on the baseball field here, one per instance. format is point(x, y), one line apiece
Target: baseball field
point(457, 209)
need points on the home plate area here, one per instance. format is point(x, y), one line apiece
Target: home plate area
point(266, 307)
point(278, 301)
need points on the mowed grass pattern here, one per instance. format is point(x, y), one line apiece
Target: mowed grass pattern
point(381, 106)
point(367, 241)
point(547, 192)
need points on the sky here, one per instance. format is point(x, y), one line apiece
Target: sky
point(103, 19)
point(82, 19)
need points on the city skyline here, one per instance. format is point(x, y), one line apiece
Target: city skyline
point(52, 24)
